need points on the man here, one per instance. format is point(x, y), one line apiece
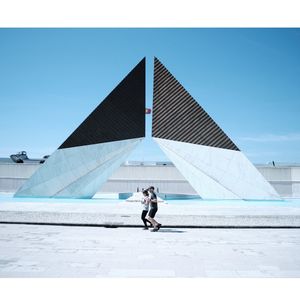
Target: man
point(153, 209)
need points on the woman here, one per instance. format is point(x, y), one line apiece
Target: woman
point(145, 201)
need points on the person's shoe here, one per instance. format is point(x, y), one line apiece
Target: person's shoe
point(158, 226)
point(154, 229)
point(145, 228)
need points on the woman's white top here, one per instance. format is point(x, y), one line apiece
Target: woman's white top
point(145, 201)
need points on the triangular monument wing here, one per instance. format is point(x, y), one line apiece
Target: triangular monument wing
point(100, 144)
point(199, 148)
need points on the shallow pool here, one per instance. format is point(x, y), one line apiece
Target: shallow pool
point(279, 203)
point(8, 197)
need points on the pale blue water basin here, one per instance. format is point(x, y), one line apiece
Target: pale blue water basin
point(10, 198)
point(177, 201)
point(278, 203)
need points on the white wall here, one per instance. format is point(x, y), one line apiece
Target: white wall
point(285, 180)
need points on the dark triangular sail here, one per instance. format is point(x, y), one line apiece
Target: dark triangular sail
point(120, 116)
point(177, 115)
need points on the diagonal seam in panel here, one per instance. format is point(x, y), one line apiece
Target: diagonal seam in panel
point(217, 182)
point(120, 153)
point(72, 171)
point(93, 181)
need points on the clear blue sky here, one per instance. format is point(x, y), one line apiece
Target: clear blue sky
point(248, 80)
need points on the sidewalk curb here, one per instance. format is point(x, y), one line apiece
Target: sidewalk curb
point(140, 226)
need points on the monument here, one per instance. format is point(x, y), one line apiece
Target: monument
point(208, 159)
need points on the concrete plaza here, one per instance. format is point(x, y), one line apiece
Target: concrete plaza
point(105, 239)
point(71, 251)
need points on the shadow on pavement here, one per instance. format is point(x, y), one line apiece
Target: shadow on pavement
point(169, 230)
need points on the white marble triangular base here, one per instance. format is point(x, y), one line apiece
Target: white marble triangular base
point(77, 172)
point(217, 173)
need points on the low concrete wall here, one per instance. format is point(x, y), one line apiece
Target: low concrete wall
point(285, 179)
point(130, 178)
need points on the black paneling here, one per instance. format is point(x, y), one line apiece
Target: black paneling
point(177, 116)
point(120, 116)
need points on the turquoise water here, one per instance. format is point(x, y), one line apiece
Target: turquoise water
point(278, 203)
point(10, 198)
point(196, 201)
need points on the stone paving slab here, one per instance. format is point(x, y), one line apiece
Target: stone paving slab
point(61, 251)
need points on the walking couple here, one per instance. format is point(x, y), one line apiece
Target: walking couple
point(150, 199)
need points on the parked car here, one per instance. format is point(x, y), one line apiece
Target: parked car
point(21, 157)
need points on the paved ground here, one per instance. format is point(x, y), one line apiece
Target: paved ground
point(62, 251)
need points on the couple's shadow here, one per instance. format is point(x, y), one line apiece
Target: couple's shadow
point(170, 230)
